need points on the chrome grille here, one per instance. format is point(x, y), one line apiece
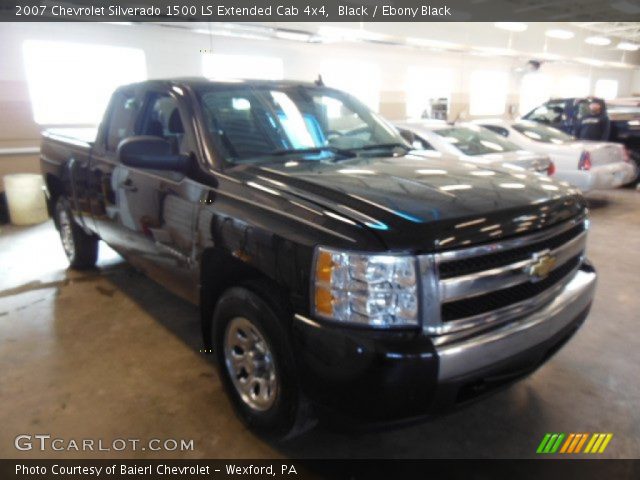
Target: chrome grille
point(477, 286)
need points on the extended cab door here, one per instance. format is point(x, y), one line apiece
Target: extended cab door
point(157, 208)
point(118, 124)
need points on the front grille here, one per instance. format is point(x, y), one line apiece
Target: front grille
point(508, 296)
point(496, 282)
point(487, 262)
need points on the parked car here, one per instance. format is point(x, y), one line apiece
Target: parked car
point(472, 143)
point(565, 114)
point(585, 164)
point(332, 267)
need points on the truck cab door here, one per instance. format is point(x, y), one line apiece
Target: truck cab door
point(118, 124)
point(157, 209)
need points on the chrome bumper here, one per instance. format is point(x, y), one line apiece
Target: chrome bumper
point(478, 352)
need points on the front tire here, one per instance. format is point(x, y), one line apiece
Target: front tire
point(256, 365)
point(81, 248)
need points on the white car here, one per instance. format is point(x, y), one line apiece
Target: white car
point(585, 164)
point(472, 143)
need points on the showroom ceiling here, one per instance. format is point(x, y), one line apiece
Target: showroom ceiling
point(626, 30)
point(535, 40)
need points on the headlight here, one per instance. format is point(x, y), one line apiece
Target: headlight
point(374, 290)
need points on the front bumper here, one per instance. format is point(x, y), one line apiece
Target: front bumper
point(393, 375)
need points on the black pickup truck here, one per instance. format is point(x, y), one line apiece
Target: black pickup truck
point(335, 270)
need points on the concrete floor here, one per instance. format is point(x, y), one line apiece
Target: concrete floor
point(109, 354)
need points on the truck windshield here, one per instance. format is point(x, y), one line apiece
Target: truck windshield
point(542, 133)
point(254, 123)
point(474, 140)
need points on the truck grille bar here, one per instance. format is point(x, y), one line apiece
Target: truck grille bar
point(479, 286)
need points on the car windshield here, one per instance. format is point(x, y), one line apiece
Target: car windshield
point(542, 133)
point(474, 140)
point(256, 123)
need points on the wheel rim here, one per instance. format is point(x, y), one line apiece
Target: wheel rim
point(66, 233)
point(250, 364)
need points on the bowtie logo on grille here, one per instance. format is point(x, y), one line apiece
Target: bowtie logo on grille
point(542, 263)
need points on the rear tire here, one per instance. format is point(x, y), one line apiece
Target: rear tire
point(81, 248)
point(256, 365)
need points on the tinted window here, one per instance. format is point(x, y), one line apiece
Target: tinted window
point(474, 140)
point(259, 121)
point(124, 111)
point(162, 119)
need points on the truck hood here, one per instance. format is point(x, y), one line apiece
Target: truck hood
point(418, 204)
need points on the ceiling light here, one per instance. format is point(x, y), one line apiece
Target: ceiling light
point(591, 61)
point(560, 34)
point(499, 52)
point(426, 42)
point(631, 47)
point(511, 26)
point(229, 33)
point(548, 56)
point(337, 34)
point(295, 36)
point(600, 41)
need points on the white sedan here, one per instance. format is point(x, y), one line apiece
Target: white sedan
point(472, 143)
point(585, 164)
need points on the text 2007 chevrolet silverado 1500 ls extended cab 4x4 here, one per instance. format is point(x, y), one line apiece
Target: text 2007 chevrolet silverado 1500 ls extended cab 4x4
point(333, 268)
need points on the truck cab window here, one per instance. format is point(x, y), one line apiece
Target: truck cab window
point(124, 111)
point(161, 118)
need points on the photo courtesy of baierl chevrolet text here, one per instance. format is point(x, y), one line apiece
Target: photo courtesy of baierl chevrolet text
point(341, 239)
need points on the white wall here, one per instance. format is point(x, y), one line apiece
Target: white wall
point(174, 52)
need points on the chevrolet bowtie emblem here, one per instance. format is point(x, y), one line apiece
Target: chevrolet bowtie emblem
point(542, 264)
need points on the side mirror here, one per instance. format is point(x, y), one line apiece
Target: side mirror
point(153, 153)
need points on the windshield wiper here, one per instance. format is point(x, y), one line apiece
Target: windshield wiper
point(293, 151)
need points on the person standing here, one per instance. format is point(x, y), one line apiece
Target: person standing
point(595, 125)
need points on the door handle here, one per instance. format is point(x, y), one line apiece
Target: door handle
point(129, 186)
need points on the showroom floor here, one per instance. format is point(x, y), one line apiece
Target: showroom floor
point(109, 354)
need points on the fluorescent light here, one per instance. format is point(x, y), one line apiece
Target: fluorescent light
point(229, 33)
point(511, 26)
point(559, 34)
point(500, 52)
point(426, 42)
point(600, 41)
point(548, 56)
point(337, 33)
point(591, 61)
point(631, 47)
point(295, 36)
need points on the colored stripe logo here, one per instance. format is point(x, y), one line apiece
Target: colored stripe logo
point(574, 443)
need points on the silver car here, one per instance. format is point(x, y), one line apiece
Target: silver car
point(472, 143)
